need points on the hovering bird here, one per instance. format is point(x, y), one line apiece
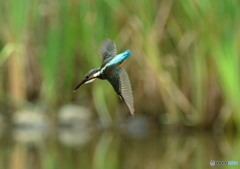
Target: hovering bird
point(112, 70)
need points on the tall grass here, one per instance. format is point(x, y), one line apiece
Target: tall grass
point(185, 56)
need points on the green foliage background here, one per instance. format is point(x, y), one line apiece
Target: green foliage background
point(184, 66)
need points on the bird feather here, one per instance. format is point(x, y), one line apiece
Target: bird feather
point(107, 51)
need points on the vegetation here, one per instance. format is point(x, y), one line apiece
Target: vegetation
point(184, 66)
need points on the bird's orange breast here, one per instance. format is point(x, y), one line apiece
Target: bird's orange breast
point(121, 64)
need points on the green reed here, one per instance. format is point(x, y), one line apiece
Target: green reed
point(185, 56)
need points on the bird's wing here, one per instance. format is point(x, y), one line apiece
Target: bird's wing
point(121, 84)
point(126, 89)
point(107, 51)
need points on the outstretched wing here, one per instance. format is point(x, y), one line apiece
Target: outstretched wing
point(121, 84)
point(107, 51)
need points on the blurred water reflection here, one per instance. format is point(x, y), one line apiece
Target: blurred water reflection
point(116, 149)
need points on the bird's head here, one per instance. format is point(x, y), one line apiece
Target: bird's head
point(89, 77)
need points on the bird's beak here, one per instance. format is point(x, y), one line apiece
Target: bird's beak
point(89, 77)
point(80, 84)
point(89, 80)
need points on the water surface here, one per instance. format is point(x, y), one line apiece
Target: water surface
point(118, 148)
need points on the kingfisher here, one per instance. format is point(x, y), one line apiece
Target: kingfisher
point(113, 71)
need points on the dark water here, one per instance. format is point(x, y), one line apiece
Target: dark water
point(119, 148)
point(112, 148)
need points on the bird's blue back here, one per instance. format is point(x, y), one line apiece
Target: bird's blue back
point(118, 59)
